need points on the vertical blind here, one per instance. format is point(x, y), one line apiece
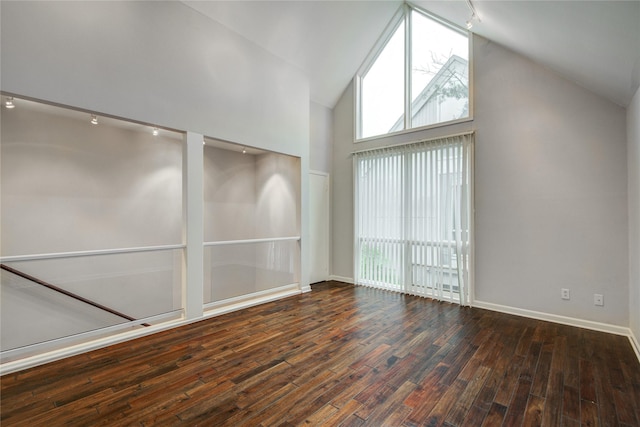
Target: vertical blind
point(413, 218)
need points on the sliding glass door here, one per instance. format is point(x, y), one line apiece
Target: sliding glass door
point(412, 218)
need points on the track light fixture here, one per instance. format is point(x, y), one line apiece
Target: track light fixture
point(94, 119)
point(8, 103)
point(244, 150)
point(155, 132)
point(474, 15)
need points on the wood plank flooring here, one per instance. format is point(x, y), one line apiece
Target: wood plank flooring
point(340, 355)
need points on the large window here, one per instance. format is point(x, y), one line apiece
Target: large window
point(383, 88)
point(420, 77)
point(412, 222)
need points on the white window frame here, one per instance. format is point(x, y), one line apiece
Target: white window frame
point(403, 14)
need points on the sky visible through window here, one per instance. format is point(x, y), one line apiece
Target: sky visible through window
point(383, 86)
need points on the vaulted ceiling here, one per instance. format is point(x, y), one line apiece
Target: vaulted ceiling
point(593, 43)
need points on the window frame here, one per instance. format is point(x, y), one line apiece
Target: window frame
point(403, 15)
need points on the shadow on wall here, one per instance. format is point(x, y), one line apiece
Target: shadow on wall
point(68, 185)
point(252, 195)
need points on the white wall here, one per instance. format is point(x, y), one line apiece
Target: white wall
point(550, 189)
point(277, 212)
point(229, 214)
point(160, 63)
point(633, 162)
point(229, 195)
point(250, 196)
point(341, 252)
point(66, 184)
point(321, 160)
point(156, 62)
point(321, 138)
point(551, 197)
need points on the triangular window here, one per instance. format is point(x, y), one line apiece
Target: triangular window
point(418, 77)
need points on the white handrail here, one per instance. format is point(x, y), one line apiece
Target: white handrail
point(89, 253)
point(265, 240)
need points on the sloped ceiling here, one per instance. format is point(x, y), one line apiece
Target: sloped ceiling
point(328, 40)
point(596, 44)
point(593, 43)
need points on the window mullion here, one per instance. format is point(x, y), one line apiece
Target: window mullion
point(386, 102)
point(357, 108)
point(407, 66)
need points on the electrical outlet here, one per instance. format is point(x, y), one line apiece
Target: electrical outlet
point(565, 294)
point(598, 299)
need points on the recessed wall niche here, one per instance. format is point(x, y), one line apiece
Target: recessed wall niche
point(75, 197)
point(70, 185)
point(251, 220)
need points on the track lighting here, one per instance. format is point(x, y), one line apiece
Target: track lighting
point(9, 103)
point(155, 132)
point(94, 119)
point(244, 150)
point(474, 15)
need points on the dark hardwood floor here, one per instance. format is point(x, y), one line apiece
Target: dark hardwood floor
point(341, 355)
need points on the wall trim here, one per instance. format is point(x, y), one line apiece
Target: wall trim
point(634, 343)
point(74, 350)
point(245, 301)
point(63, 353)
point(285, 292)
point(341, 279)
point(564, 320)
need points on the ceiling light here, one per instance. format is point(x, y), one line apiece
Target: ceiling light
point(155, 132)
point(204, 143)
point(94, 119)
point(244, 151)
point(9, 102)
point(474, 15)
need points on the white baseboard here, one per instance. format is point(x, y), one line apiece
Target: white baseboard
point(74, 350)
point(227, 306)
point(635, 344)
point(563, 320)
point(256, 298)
point(284, 292)
point(341, 279)
point(570, 321)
